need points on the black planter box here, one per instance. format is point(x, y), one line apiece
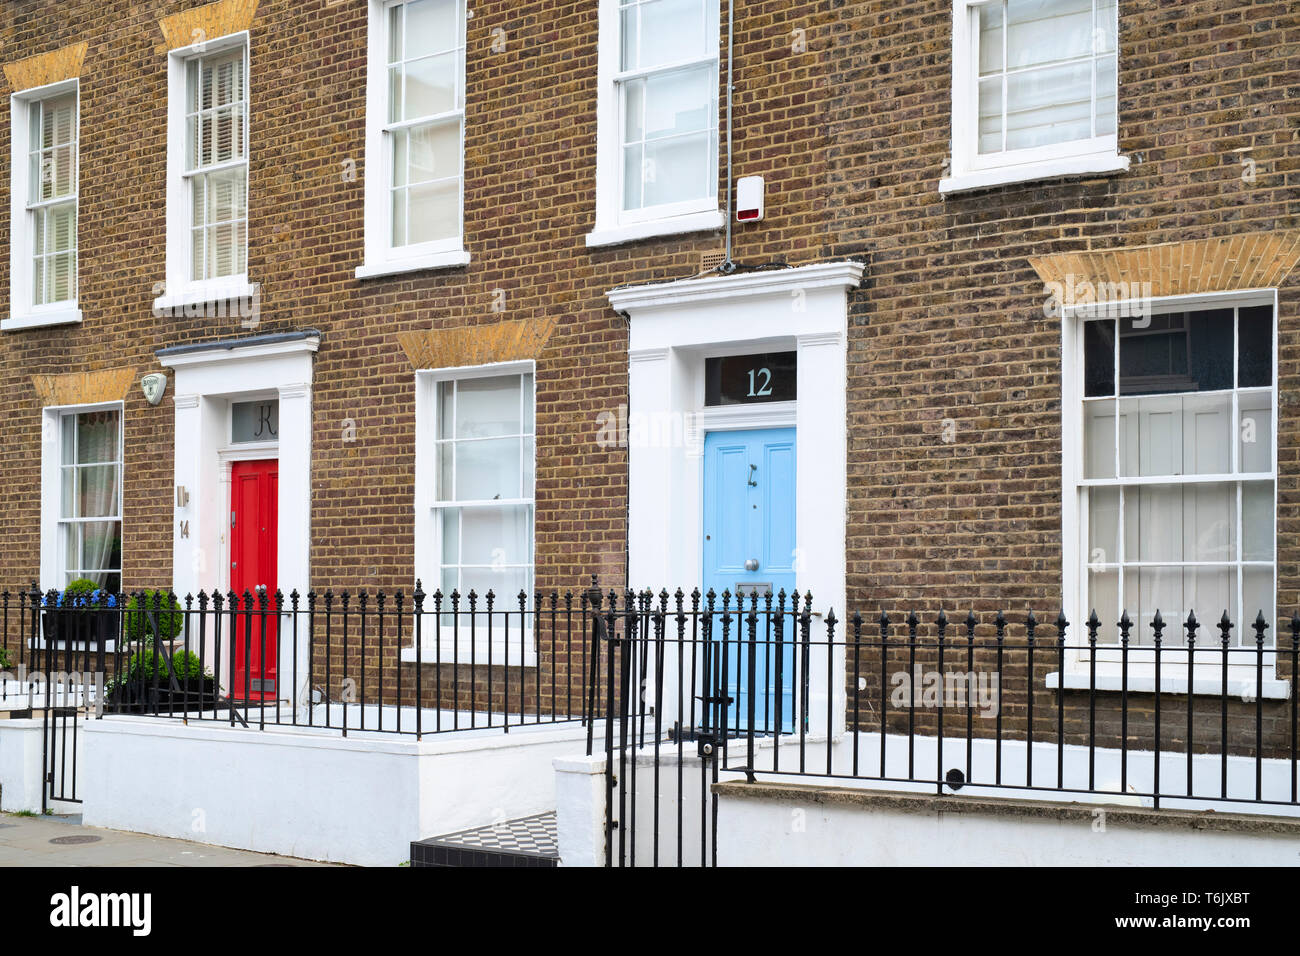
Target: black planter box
point(88, 627)
point(142, 696)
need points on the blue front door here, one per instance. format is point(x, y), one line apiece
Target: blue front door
point(749, 548)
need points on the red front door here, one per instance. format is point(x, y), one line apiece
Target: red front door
point(254, 493)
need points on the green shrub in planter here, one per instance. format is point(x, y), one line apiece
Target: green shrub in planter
point(145, 664)
point(77, 594)
point(4, 659)
point(169, 615)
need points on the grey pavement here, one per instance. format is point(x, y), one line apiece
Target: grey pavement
point(63, 841)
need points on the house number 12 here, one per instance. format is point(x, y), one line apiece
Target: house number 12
point(765, 389)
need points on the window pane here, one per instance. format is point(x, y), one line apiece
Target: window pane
point(71, 535)
point(1175, 435)
point(678, 170)
point(1099, 439)
point(630, 36)
point(395, 94)
point(225, 244)
point(1049, 105)
point(61, 278)
point(1255, 346)
point(1107, 77)
point(97, 492)
point(527, 400)
point(1177, 352)
point(495, 536)
point(505, 583)
point(434, 212)
point(58, 121)
point(101, 547)
point(671, 30)
point(222, 135)
point(399, 217)
point(450, 582)
point(432, 26)
point(395, 34)
point(487, 470)
point(450, 535)
point(430, 86)
point(1045, 31)
point(634, 173)
point(1099, 358)
point(446, 404)
point(446, 462)
point(1258, 594)
point(1174, 592)
point(990, 41)
point(1176, 523)
point(1257, 521)
point(433, 152)
point(96, 437)
point(225, 196)
point(1255, 432)
point(990, 118)
point(634, 111)
point(487, 407)
point(1103, 525)
point(679, 102)
point(1103, 38)
point(1103, 597)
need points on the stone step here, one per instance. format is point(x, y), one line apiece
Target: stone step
point(525, 842)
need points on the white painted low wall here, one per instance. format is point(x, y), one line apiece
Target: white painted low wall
point(678, 796)
point(360, 799)
point(799, 825)
point(20, 765)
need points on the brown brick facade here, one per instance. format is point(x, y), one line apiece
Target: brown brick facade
point(844, 107)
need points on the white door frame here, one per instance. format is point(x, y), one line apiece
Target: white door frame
point(673, 326)
point(208, 378)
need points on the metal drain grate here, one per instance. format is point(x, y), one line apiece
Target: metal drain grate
point(73, 840)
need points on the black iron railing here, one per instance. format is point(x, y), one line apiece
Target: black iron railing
point(703, 685)
point(345, 661)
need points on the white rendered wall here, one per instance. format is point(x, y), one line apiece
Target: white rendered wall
point(360, 799)
point(20, 765)
point(802, 832)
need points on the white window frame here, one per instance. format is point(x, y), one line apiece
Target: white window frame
point(428, 532)
point(53, 418)
point(180, 290)
point(613, 225)
point(1207, 678)
point(23, 312)
point(971, 170)
point(382, 258)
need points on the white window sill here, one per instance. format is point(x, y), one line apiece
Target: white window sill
point(433, 260)
point(1097, 164)
point(40, 320)
point(448, 653)
point(1239, 684)
point(678, 225)
point(204, 293)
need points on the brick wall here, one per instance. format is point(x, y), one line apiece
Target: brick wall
point(843, 106)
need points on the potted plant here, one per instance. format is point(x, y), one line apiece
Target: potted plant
point(82, 612)
point(146, 683)
point(151, 617)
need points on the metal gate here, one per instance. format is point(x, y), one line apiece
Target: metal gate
point(670, 718)
point(70, 646)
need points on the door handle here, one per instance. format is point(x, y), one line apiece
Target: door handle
point(751, 564)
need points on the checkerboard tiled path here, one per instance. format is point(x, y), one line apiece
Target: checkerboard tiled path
point(526, 842)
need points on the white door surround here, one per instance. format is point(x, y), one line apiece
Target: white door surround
point(208, 377)
point(673, 327)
